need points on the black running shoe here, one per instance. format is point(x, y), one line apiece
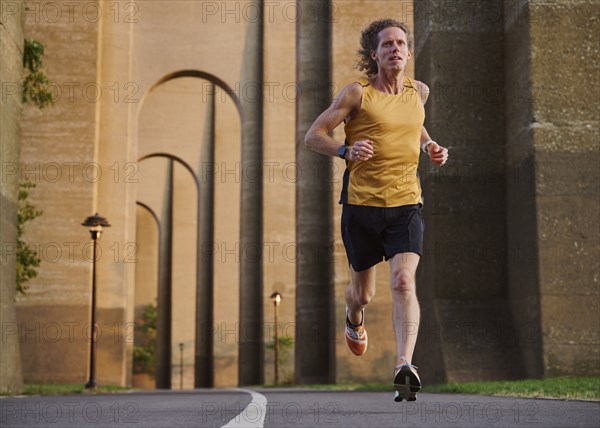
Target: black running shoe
point(406, 381)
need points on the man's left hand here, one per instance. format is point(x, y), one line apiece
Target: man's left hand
point(437, 154)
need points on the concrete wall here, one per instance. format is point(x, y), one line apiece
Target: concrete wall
point(124, 56)
point(521, 128)
point(460, 56)
point(59, 154)
point(552, 161)
point(11, 75)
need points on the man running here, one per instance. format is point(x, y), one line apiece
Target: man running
point(381, 195)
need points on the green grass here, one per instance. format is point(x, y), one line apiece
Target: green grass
point(62, 389)
point(568, 388)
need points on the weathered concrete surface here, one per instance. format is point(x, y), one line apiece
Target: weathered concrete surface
point(11, 75)
point(463, 270)
point(553, 158)
point(315, 350)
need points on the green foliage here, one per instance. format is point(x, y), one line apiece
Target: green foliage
point(27, 258)
point(35, 89)
point(144, 350)
point(63, 389)
point(285, 344)
point(286, 369)
point(35, 84)
point(33, 52)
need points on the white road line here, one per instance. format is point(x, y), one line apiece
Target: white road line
point(253, 414)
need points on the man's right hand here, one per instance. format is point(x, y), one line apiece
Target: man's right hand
point(362, 150)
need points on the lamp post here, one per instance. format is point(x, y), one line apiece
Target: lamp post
point(181, 365)
point(95, 223)
point(276, 296)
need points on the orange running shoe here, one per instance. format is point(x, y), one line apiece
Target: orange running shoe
point(356, 336)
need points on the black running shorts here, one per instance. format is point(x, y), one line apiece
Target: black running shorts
point(371, 234)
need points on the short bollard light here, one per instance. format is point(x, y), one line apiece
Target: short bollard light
point(276, 297)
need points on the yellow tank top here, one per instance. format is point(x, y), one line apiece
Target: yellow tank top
point(393, 123)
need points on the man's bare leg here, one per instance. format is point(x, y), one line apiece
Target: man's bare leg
point(359, 293)
point(406, 324)
point(406, 306)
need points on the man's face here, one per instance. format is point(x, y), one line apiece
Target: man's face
point(392, 50)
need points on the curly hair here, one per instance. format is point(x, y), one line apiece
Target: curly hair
point(369, 40)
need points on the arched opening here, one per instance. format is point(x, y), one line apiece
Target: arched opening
point(189, 151)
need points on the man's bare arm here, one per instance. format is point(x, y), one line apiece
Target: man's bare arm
point(345, 105)
point(437, 153)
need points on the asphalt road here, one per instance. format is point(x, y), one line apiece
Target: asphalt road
point(291, 408)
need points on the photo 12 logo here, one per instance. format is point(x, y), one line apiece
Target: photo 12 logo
point(68, 413)
point(88, 92)
point(271, 11)
point(69, 172)
point(61, 12)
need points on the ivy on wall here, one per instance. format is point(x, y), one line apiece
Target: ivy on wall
point(35, 83)
point(27, 258)
point(35, 90)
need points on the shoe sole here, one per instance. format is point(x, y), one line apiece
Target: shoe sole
point(358, 355)
point(406, 385)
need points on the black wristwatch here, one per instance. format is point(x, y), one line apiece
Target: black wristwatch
point(342, 151)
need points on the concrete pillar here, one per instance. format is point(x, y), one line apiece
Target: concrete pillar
point(552, 187)
point(115, 191)
point(184, 272)
point(522, 234)
point(315, 313)
point(204, 366)
point(164, 306)
point(251, 356)
point(11, 72)
point(462, 277)
point(226, 260)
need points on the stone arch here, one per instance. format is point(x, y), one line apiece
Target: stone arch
point(203, 357)
point(164, 283)
point(200, 75)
